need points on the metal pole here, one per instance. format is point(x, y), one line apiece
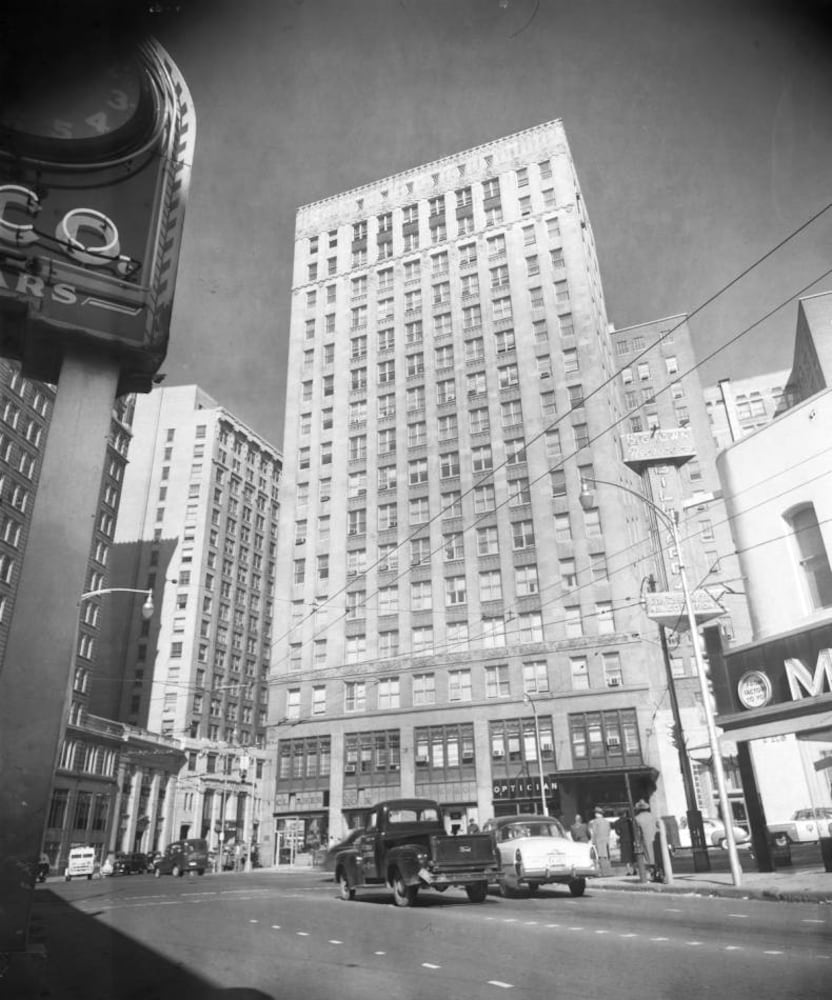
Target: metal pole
point(527, 697)
point(713, 738)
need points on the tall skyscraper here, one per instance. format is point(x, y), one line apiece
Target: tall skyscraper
point(198, 527)
point(456, 621)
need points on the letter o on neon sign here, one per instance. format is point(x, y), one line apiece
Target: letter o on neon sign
point(79, 219)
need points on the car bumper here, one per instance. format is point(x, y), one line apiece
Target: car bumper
point(558, 873)
point(446, 879)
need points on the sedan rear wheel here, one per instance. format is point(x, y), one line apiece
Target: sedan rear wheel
point(507, 891)
point(577, 886)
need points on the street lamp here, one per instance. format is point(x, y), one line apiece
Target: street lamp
point(147, 607)
point(527, 697)
point(587, 502)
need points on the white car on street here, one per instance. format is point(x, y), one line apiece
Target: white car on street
point(805, 826)
point(536, 850)
point(714, 833)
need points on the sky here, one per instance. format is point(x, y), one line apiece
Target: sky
point(701, 134)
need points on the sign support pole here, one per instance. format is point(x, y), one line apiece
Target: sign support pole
point(36, 673)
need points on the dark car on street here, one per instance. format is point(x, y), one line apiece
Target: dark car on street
point(183, 856)
point(332, 853)
point(131, 864)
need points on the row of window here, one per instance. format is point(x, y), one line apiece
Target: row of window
point(493, 682)
point(447, 752)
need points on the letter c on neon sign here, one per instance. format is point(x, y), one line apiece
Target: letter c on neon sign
point(20, 197)
point(71, 225)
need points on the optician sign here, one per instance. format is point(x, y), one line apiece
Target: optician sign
point(94, 171)
point(523, 787)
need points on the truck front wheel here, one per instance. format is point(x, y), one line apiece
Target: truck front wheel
point(345, 891)
point(577, 886)
point(477, 892)
point(403, 895)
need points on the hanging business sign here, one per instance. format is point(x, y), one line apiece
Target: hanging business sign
point(673, 446)
point(667, 607)
point(94, 172)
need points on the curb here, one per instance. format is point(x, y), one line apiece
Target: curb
point(728, 892)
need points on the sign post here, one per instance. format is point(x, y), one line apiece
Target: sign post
point(91, 215)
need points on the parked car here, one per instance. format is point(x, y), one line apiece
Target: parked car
point(714, 833)
point(537, 850)
point(81, 863)
point(131, 864)
point(805, 826)
point(183, 856)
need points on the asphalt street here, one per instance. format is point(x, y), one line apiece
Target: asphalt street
point(267, 935)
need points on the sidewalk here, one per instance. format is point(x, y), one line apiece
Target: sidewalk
point(804, 885)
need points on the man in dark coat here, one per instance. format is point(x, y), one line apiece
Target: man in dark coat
point(579, 829)
point(623, 826)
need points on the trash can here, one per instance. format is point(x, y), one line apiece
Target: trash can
point(781, 850)
point(826, 849)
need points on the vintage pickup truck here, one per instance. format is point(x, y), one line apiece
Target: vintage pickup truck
point(404, 846)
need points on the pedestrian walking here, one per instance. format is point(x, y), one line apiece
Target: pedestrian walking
point(623, 826)
point(579, 829)
point(646, 829)
point(599, 833)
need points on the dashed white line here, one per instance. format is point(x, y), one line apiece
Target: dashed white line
point(574, 928)
point(335, 941)
point(509, 920)
point(275, 927)
point(302, 933)
point(503, 986)
point(430, 965)
point(672, 909)
point(553, 925)
point(628, 935)
point(660, 939)
point(253, 920)
point(773, 953)
point(810, 920)
point(694, 944)
point(531, 923)
point(379, 952)
point(602, 932)
point(732, 947)
point(739, 916)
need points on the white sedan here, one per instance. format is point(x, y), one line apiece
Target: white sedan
point(805, 826)
point(714, 833)
point(536, 850)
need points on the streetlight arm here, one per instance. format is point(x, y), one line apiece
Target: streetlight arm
point(586, 499)
point(147, 607)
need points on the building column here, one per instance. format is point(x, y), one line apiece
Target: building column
point(152, 803)
point(482, 755)
point(115, 822)
point(169, 810)
point(132, 809)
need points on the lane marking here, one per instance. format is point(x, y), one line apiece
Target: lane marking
point(628, 935)
point(302, 933)
point(694, 944)
point(660, 939)
point(602, 932)
point(503, 986)
point(553, 925)
point(773, 952)
point(732, 947)
point(531, 923)
point(253, 921)
point(430, 965)
point(335, 941)
point(379, 952)
point(574, 928)
point(672, 909)
point(739, 916)
point(509, 920)
point(810, 920)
